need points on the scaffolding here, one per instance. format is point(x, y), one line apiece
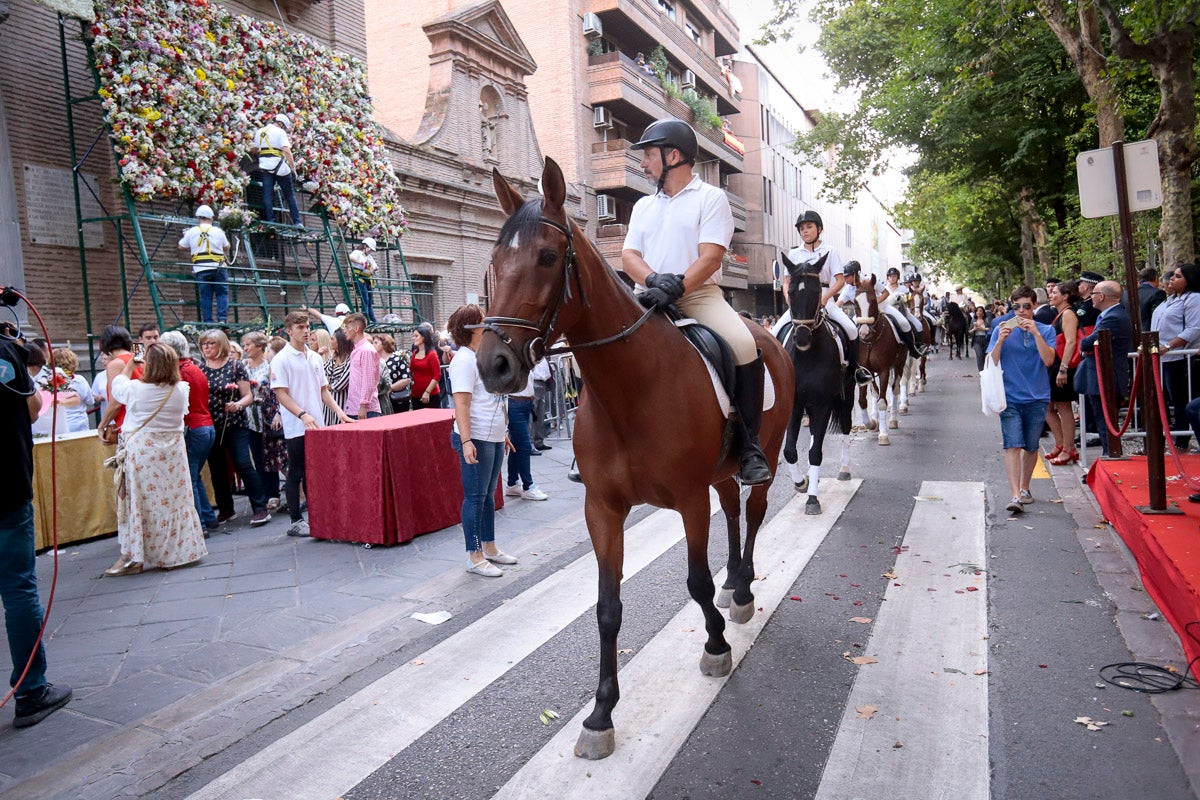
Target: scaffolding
point(272, 268)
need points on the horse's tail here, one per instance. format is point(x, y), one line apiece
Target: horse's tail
point(840, 420)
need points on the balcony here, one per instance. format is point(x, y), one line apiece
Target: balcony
point(639, 25)
point(617, 170)
point(609, 240)
point(738, 206)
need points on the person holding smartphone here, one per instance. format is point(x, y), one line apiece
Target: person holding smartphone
point(1023, 348)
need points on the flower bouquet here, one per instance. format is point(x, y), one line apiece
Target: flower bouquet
point(232, 218)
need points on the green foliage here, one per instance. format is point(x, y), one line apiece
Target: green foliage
point(595, 47)
point(704, 111)
point(658, 63)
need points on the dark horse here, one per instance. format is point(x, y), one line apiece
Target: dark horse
point(824, 387)
point(649, 428)
point(954, 322)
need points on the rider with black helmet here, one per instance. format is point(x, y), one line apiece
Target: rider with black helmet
point(839, 284)
point(893, 301)
point(674, 246)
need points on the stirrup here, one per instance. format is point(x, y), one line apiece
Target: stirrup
point(862, 375)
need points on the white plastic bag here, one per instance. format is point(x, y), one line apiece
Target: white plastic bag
point(991, 387)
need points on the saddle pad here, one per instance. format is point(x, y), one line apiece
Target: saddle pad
point(724, 398)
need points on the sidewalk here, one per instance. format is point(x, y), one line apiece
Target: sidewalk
point(171, 667)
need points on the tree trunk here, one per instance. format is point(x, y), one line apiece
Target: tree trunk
point(1175, 132)
point(1035, 256)
point(1086, 50)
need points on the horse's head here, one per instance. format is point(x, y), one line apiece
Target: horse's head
point(529, 281)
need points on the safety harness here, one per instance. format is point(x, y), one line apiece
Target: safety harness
point(206, 255)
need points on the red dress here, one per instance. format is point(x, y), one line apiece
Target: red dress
point(425, 370)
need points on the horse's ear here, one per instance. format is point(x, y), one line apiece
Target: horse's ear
point(554, 186)
point(787, 263)
point(509, 199)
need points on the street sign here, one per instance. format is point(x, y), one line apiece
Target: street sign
point(1098, 182)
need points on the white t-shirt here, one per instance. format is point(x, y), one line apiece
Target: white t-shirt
point(668, 231)
point(832, 266)
point(276, 138)
point(489, 422)
point(204, 238)
point(141, 401)
point(302, 373)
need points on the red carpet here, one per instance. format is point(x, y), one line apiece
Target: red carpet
point(1166, 546)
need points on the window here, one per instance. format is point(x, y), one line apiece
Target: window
point(423, 295)
point(667, 7)
point(849, 238)
point(694, 33)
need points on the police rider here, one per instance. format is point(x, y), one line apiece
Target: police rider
point(674, 246)
point(209, 248)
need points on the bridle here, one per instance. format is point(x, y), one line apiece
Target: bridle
point(535, 348)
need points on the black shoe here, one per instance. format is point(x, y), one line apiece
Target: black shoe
point(574, 476)
point(534, 453)
point(543, 447)
point(1194, 498)
point(30, 711)
point(748, 388)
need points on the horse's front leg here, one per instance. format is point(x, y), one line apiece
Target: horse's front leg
point(729, 494)
point(606, 526)
point(844, 469)
point(717, 660)
point(816, 454)
point(742, 610)
point(894, 400)
point(791, 455)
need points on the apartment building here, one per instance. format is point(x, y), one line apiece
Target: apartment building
point(589, 96)
point(778, 185)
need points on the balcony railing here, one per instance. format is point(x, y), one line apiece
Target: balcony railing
point(615, 166)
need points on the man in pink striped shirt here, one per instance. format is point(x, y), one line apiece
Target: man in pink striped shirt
point(362, 395)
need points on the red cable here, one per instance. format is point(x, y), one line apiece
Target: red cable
point(1162, 416)
point(53, 504)
point(1137, 376)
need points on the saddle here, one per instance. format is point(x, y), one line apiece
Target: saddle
point(712, 347)
point(784, 336)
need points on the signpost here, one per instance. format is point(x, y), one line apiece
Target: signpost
point(1119, 180)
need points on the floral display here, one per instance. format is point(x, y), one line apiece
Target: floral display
point(186, 84)
point(232, 218)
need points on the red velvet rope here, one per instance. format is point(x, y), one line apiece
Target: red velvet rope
point(1137, 376)
point(1193, 484)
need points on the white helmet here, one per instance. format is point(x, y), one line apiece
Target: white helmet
point(284, 121)
point(369, 242)
point(340, 309)
point(204, 212)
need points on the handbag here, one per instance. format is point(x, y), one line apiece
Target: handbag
point(108, 434)
point(1060, 345)
point(991, 388)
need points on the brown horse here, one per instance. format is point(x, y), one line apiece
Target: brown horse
point(648, 428)
point(881, 352)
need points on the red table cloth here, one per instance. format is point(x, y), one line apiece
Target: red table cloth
point(384, 480)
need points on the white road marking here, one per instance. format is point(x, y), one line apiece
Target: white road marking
point(663, 694)
point(331, 754)
point(928, 740)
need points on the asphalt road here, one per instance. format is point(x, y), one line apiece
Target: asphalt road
point(771, 729)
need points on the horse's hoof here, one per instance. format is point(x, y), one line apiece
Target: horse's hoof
point(741, 613)
point(872, 425)
point(812, 507)
point(595, 745)
point(844, 475)
point(717, 666)
point(884, 441)
point(893, 425)
point(802, 486)
point(903, 409)
point(724, 597)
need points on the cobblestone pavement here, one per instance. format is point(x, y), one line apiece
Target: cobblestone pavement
point(169, 667)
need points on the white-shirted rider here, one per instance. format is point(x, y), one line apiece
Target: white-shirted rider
point(893, 301)
point(674, 246)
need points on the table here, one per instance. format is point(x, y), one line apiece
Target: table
point(384, 480)
point(87, 500)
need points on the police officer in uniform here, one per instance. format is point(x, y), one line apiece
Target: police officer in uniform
point(673, 248)
point(209, 247)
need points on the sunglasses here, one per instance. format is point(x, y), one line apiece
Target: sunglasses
point(1024, 306)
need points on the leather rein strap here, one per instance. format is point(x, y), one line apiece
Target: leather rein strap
point(535, 349)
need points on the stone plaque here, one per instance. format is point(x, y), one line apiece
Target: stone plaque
point(50, 208)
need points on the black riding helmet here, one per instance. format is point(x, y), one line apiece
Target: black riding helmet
point(851, 268)
point(670, 133)
point(893, 271)
point(810, 216)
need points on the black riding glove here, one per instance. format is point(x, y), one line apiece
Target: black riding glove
point(661, 290)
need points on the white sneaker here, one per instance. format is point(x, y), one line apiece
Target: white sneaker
point(298, 529)
point(485, 568)
point(534, 493)
point(500, 557)
point(512, 491)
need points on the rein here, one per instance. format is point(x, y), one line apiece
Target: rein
point(535, 348)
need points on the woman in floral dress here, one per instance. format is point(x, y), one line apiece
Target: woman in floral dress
point(157, 524)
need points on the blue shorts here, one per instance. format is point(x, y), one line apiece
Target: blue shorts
point(1021, 425)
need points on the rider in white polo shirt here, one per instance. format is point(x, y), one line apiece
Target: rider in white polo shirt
point(676, 240)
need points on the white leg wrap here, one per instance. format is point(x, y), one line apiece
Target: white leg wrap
point(795, 472)
point(845, 452)
point(814, 473)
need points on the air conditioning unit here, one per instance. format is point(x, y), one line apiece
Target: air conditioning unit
point(606, 208)
point(601, 117)
point(592, 28)
point(689, 79)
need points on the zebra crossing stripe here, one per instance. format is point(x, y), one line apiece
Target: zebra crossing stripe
point(916, 724)
point(332, 753)
point(663, 694)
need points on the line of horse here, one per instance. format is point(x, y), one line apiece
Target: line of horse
point(649, 428)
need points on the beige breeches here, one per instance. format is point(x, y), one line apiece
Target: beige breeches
point(707, 305)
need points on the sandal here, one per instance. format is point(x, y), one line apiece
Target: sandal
point(1058, 448)
point(1064, 458)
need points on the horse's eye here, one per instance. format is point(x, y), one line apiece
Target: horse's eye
point(547, 258)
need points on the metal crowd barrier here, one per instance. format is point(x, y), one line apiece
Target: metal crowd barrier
point(1135, 430)
point(563, 399)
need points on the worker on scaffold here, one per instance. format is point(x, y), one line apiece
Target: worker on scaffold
point(273, 149)
point(209, 247)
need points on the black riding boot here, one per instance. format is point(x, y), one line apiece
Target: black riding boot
point(861, 374)
point(748, 380)
point(911, 343)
